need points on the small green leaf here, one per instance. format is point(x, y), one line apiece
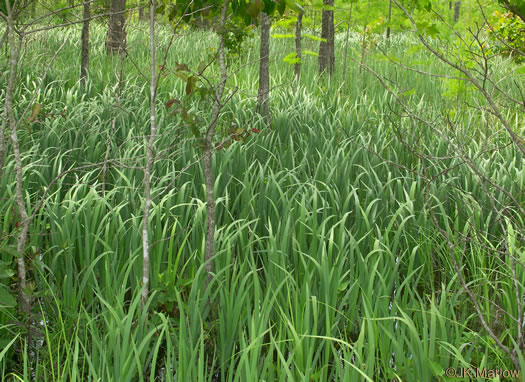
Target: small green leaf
point(160, 9)
point(310, 53)
point(409, 92)
point(343, 286)
point(203, 92)
point(6, 298)
point(283, 35)
point(315, 38)
point(10, 251)
point(294, 6)
point(292, 58)
point(182, 67)
point(432, 30)
point(37, 107)
point(421, 26)
point(5, 271)
point(182, 75)
point(172, 14)
point(190, 84)
point(5, 345)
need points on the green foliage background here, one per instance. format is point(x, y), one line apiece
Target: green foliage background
point(328, 266)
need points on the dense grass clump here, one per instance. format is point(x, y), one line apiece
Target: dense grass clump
point(328, 263)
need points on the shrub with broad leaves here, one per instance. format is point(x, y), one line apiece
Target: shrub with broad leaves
point(507, 31)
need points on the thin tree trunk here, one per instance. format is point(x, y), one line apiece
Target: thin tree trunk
point(149, 157)
point(264, 70)
point(2, 141)
point(15, 47)
point(457, 6)
point(208, 151)
point(327, 49)
point(116, 36)
point(4, 114)
point(298, 49)
point(347, 42)
point(363, 42)
point(142, 15)
point(84, 56)
point(389, 19)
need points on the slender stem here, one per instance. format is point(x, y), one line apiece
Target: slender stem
point(15, 48)
point(149, 158)
point(208, 150)
point(298, 48)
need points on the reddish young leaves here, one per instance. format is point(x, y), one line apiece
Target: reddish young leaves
point(171, 102)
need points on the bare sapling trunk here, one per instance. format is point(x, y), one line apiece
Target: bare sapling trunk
point(116, 37)
point(2, 140)
point(327, 47)
point(149, 158)
point(298, 48)
point(209, 148)
point(15, 47)
point(264, 70)
point(84, 54)
point(4, 114)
